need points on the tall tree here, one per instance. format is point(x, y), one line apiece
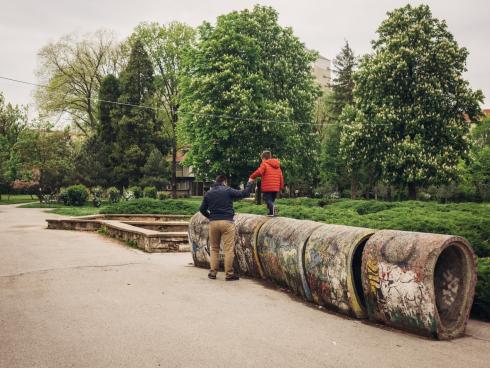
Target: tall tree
point(411, 98)
point(332, 164)
point(46, 156)
point(139, 130)
point(165, 45)
point(247, 86)
point(343, 83)
point(109, 92)
point(71, 70)
point(13, 121)
point(94, 155)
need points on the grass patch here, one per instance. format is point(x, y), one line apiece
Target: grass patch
point(43, 205)
point(16, 199)
point(131, 243)
point(75, 211)
point(103, 231)
point(61, 209)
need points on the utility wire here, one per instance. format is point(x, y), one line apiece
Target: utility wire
point(181, 112)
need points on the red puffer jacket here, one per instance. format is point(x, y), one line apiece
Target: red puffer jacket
point(271, 173)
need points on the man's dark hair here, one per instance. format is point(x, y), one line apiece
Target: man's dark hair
point(220, 179)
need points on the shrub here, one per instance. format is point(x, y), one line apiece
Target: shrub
point(481, 305)
point(150, 192)
point(163, 196)
point(97, 196)
point(128, 194)
point(113, 194)
point(63, 197)
point(137, 192)
point(77, 195)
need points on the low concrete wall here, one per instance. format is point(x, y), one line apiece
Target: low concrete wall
point(170, 226)
point(73, 224)
point(144, 217)
point(147, 240)
point(154, 235)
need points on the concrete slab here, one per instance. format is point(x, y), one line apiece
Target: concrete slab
point(73, 299)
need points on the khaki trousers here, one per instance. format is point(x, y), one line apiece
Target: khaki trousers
point(222, 230)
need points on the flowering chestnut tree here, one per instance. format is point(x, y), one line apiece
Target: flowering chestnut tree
point(410, 102)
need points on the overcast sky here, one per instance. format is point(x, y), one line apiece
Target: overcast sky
point(323, 25)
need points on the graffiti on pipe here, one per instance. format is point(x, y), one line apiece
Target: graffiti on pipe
point(332, 266)
point(280, 247)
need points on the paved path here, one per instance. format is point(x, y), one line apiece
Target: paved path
point(71, 299)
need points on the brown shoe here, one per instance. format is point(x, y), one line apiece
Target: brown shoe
point(212, 276)
point(233, 277)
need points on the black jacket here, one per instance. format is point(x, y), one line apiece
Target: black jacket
point(218, 201)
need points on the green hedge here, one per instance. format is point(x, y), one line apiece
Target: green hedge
point(153, 206)
point(481, 305)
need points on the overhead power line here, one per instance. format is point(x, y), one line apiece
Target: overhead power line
point(181, 112)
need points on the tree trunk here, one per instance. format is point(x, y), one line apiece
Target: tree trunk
point(389, 194)
point(174, 168)
point(258, 193)
point(353, 186)
point(174, 118)
point(412, 191)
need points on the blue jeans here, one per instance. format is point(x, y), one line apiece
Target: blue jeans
point(269, 198)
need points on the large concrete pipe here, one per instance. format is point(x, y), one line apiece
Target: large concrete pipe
point(423, 283)
point(332, 262)
point(247, 226)
point(280, 247)
point(199, 240)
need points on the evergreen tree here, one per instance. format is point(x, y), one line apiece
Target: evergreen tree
point(139, 130)
point(94, 158)
point(156, 170)
point(333, 171)
point(109, 92)
point(343, 83)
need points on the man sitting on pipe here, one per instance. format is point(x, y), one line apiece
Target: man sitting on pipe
point(217, 206)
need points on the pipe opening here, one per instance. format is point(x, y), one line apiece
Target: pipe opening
point(357, 273)
point(450, 284)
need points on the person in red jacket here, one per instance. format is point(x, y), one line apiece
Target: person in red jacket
point(272, 180)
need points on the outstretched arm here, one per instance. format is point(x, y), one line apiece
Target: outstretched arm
point(240, 194)
point(259, 172)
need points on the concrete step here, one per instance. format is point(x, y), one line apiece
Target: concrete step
point(163, 226)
